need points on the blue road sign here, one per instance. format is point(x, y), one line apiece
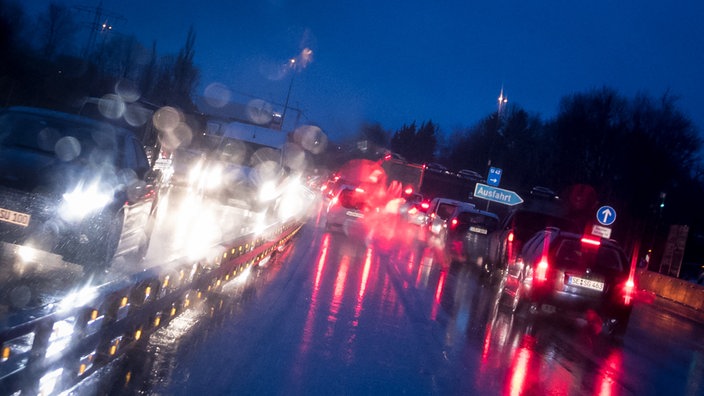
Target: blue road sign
point(496, 194)
point(606, 215)
point(494, 176)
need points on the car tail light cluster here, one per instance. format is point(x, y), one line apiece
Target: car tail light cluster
point(541, 271)
point(453, 223)
point(628, 289)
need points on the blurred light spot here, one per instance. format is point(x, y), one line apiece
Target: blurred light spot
point(259, 111)
point(310, 138)
point(136, 115)
point(217, 95)
point(127, 90)
point(111, 106)
point(166, 118)
point(294, 157)
point(67, 148)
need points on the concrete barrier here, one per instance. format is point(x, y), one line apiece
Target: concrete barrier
point(677, 290)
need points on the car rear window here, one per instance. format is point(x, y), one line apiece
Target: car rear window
point(478, 219)
point(352, 199)
point(445, 210)
point(572, 253)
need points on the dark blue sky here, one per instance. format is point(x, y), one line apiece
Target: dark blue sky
point(445, 60)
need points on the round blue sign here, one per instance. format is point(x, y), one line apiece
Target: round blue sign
point(606, 215)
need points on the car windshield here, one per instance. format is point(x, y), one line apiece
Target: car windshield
point(573, 254)
point(54, 136)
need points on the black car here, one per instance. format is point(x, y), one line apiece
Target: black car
point(73, 186)
point(564, 272)
point(467, 234)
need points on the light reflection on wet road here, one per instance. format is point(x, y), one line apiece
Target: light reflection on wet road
point(333, 315)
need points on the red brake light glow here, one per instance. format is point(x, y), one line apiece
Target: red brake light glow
point(425, 205)
point(628, 289)
point(408, 190)
point(510, 237)
point(541, 272)
point(591, 241)
point(453, 223)
point(359, 190)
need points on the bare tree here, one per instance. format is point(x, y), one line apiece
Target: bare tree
point(56, 29)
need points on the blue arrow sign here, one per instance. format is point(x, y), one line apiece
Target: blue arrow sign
point(606, 215)
point(496, 194)
point(494, 176)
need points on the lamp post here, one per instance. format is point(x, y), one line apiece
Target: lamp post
point(292, 66)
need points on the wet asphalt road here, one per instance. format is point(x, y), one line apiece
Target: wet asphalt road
point(334, 315)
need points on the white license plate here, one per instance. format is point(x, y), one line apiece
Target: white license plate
point(354, 214)
point(10, 216)
point(478, 230)
point(588, 283)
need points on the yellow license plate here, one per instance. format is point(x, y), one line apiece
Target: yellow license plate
point(588, 283)
point(10, 216)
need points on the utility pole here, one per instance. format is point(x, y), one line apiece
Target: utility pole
point(102, 23)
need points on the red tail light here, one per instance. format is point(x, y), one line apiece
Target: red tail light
point(628, 290)
point(453, 223)
point(425, 205)
point(510, 237)
point(408, 190)
point(541, 271)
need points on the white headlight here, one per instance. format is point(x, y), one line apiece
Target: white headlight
point(82, 201)
point(267, 191)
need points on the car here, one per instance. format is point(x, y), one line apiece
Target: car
point(470, 175)
point(519, 224)
point(436, 167)
point(467, 234)
point(438, 213)
point(73, 186)
point(570, 273)
point(347, 210)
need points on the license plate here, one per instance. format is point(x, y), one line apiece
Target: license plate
point(478, 230)
point(10, 216)
point(588, 283)
point(354, 214)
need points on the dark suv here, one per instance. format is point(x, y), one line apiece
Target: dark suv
point(74, 187)
point(517, 226)
point(564, 272)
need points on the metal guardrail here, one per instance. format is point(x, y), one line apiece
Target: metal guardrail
point(56, 347)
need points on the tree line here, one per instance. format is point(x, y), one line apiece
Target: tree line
point(45, 63)
point(641, 155)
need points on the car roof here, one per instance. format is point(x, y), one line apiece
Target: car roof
point(576, 236)
point(453, 201)
point(472, 209)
